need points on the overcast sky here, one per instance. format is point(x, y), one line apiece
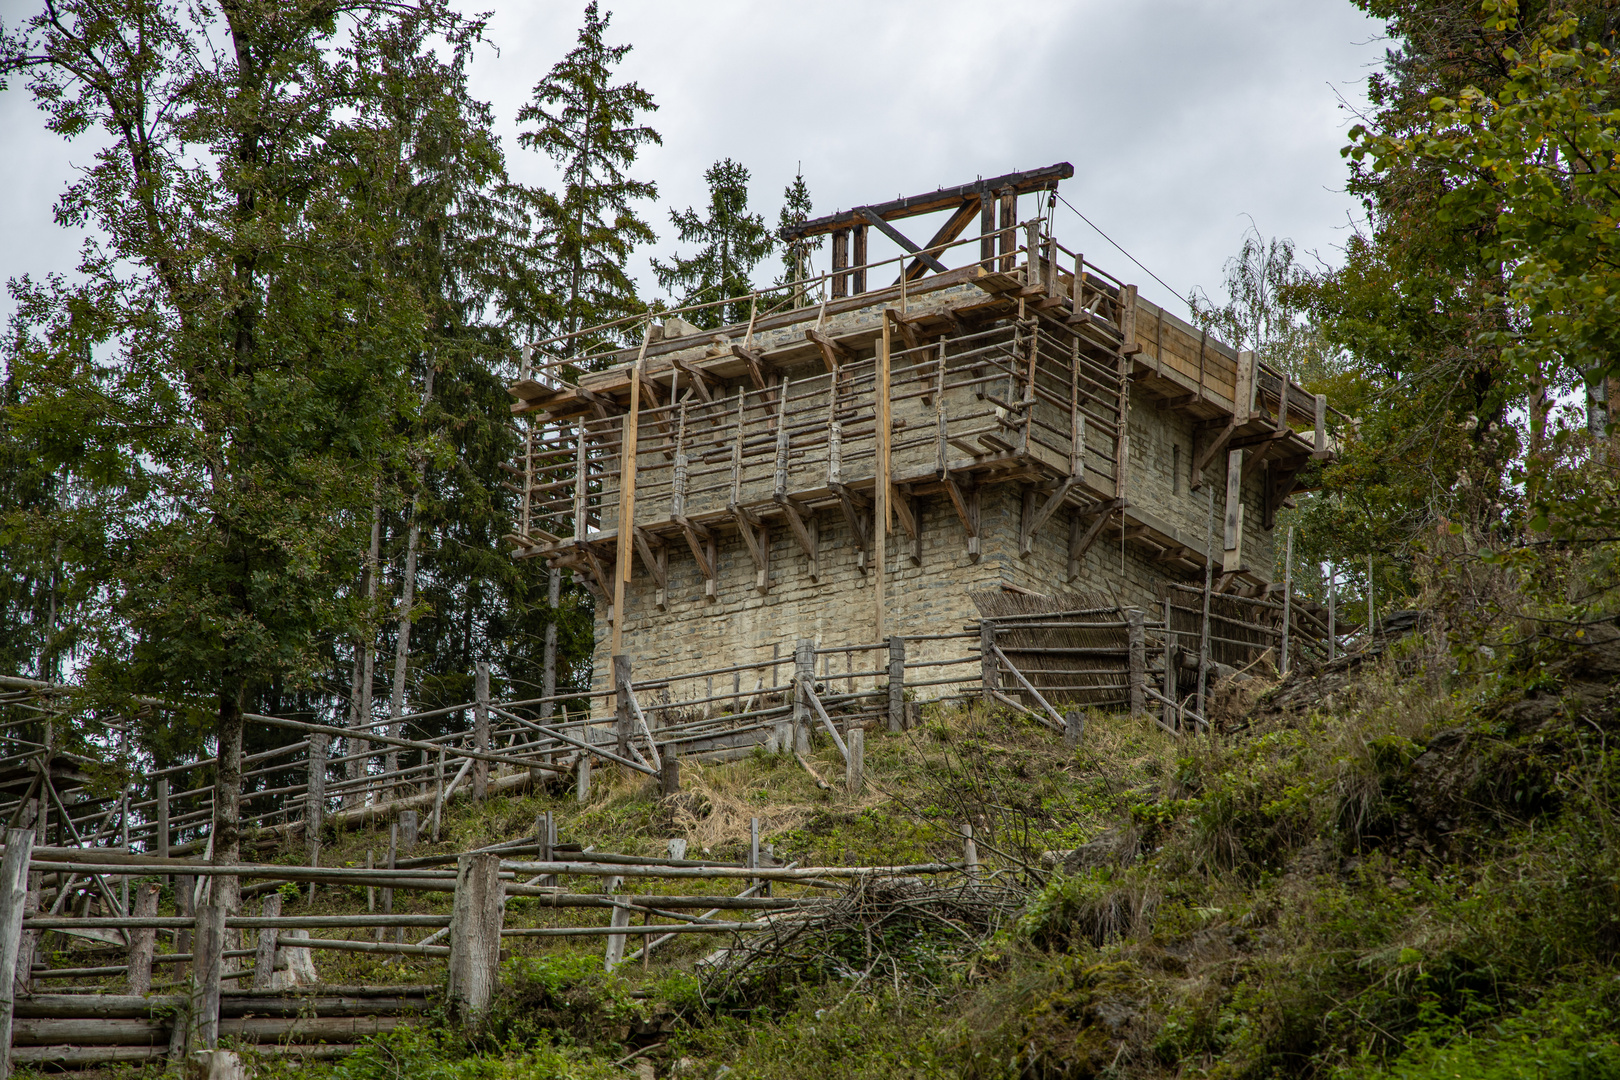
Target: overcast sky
point(1183, 118)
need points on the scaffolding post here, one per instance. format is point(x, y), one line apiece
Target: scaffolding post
point(897, 683)
point(1136, 638)
point(1288, 594)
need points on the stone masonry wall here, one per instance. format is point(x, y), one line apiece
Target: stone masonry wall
point(741, 626)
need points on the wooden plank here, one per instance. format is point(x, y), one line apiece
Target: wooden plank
point(627, 495)
point(933, 201)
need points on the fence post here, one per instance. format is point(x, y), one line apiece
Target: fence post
point(897, 683)
point(622, 687)
point(669, 776)
point(1333, 612)
point(438, 794)
point(970, 852)
point(582, 776)
point(13, 895)
point(1074, 727)
point(163, 818)
point(804, 674)
point(205, 972)
point(264, 958)
point(1136, 635)
point(989, 668)
point(475, 933)
point(480, 769)
point(855, 767)
point(620, 917)
point(1288, 597)
point(1172, 692)
point(409, 830)
point(315, 793)
point(546, 827)
point(143, 942)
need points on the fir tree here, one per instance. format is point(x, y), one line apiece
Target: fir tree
point(796, 207)
point(734, 241)
point(587, 125)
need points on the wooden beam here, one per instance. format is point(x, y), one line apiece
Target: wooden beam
point(833, 354)
point(900, 238)
point(903, 326)
point(650, 548)
point(627, 494)
point(805, 532)
point(1020, 183)
point(1202, 458)
point(966, 505)
point(700, 378)
point(755, 362)
point(948, 232)
point(1080, 540)
point(701, 541)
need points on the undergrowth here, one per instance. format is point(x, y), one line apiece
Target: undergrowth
point(1404, 867)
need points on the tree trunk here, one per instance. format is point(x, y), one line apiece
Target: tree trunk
point(227, 828)
point(365, 657)
point(407, 598)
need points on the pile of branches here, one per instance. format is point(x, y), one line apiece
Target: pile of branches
point(880, 931)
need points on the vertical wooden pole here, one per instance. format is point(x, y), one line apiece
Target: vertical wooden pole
point(13, 895)
point(1007, 236)
point(1288, 595)
point(1074, 728)
point(753, 850)
point(627, 496)
point(989, 666)
point(409, 830)
point(1171, 692)
point(1136, 640)
point(840, 263)
point(855, 765)
point(897, 682)
point(804, 673)
point(669, 773)
point(880, 526)
point(393, 857)
point(987, 230)
point(582, 777)
point(142, 942)
point(1333, 612)
point(371, 892)
point(622, 689)
point(205, 975)
point(548, 685)
point(264, 956)
point(970, 852)
point(1203, 628)
point(480, 769)
point(475, 933)
point(315, 792)
point(438, 790)
point(615, 942)
point(858, 262)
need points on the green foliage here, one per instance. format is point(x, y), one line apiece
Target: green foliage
point(587, 125)
point(733, 241)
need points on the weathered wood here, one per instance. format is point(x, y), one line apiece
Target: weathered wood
point(315, 792)
point(669, 776)
point(475, 933)
point(481, 731)
point(897, 683)
point(970, 852)
point(13, 896)
point(409, 831)
point(1136, 640)
point(1074, 728)
point(989, 666)
point(207, 961)
point(855, 764)
point(143, 942)
point(264, 959)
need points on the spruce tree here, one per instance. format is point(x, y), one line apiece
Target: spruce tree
point(796, 207)
point(587, 125)
point(734, 241)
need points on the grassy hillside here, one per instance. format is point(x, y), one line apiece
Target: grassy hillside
point(1403, 867)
